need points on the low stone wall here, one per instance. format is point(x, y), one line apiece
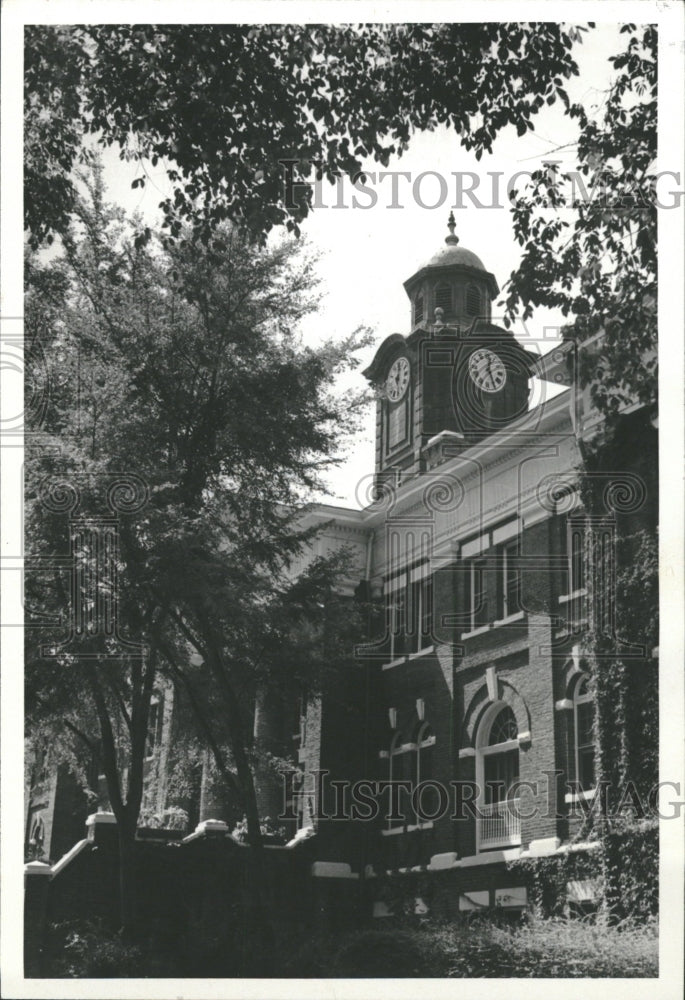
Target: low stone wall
point(191, 890)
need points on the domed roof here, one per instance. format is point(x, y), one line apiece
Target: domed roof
point(453, 255)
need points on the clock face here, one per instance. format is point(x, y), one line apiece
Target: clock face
point(486, 370)
point(398, 380)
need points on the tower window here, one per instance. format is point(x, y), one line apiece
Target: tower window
point(473, 301)
point(418, 308)
point(443, 297)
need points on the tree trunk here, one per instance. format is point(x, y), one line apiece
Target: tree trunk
point(258, 876)
point(128, 895)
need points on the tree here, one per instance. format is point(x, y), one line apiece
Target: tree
point(596, 260)
point(165, 359)
point(222, 106)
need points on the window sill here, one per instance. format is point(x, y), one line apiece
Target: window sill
point(510, 619)
point(428, 825)
point(394, 663)
point(582, 796)
point(421, 652)
point(565, 598)
point(391, 831)
point(481, 630)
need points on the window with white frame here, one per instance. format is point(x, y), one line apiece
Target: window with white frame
point(508, 579)
point(487, 598)
point(400, 767)
point(497, 779)
point(395, 609)
point(583, 735)
point(423, 771)
point(478, 593)
point(501, 757)
point(575, 548)
point(409, 611)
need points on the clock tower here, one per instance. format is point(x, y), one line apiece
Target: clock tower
point(456, 378)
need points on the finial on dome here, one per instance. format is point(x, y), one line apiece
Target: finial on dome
point(451, 240)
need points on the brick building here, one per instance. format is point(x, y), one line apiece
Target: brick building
point(476, 692)
point(473, 693)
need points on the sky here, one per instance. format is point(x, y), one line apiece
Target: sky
point(368, 252)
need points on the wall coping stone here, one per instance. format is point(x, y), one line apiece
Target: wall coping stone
point(95, 819)
point(37, 868)
point(332, 869)
point(67, 858)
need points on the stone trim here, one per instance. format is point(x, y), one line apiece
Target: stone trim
point(332, 869)
point(541, 848)
point(67, 858)
point(439, 862)
point(37, 868)
point(95, 819)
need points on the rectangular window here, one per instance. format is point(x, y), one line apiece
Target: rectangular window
point(576, 557)
point(398, 626)
point(501, 773)
point(508, 580)
point(409, 612)
point(478, 594)
point(414, 616)
point(502, 545)
point(426, 612)
point(585, 745)
point(397, 425)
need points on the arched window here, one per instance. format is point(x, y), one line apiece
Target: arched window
point(443, 296)
point(503, 728)
point(418, 308)
point(425, 741)
point(497, 776)
point(501, 760)
point(428, 801)
point(584, 735)
point(473, 301)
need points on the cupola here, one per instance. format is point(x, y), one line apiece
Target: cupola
point(454, 281)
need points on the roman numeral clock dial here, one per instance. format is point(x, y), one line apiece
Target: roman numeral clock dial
point(487, 370)
point(398, 380)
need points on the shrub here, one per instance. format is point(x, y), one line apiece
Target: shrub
point(483, 947)
point(88, 949)
point(371, 953)
point(545, 948)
